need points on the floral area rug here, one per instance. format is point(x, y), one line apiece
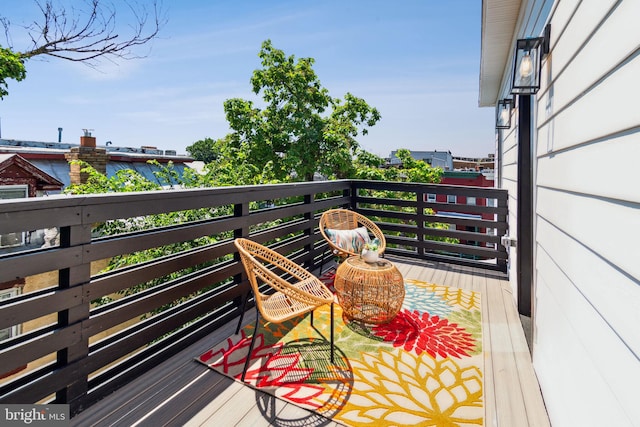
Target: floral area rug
point(424, 368)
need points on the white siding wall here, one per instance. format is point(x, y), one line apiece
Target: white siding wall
point(510, 183)
point(587, 200)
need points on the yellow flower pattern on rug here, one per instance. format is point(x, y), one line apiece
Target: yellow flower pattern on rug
point(421, 369)
point(402, 389)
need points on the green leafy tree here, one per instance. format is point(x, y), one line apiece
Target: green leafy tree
point(205, 150)
point(226, 164)
point(124, 180)
point(302, 129)
point(370, 166)
point(417, 170)
point(77, 34)
point(11, 67)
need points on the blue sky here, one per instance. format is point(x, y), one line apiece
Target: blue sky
point(417, 61)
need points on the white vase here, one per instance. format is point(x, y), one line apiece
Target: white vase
point(369, 256)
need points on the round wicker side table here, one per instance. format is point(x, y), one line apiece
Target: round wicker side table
point(370, 293)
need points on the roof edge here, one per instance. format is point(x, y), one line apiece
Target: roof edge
point(499, 19)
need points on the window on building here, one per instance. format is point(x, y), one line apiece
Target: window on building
point(451, 198)
point(471, 200)
point(491, 202)
point(491, 232)
point(431, 198)
point(12, 192)
point(11, 331)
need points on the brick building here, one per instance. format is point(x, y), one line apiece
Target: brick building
point(468, 178)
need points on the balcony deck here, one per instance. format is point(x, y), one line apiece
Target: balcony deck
point(181, 391)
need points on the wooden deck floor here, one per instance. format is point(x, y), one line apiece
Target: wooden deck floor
point(183, 392)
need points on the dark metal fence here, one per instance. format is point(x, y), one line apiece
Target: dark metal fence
point(66, 348)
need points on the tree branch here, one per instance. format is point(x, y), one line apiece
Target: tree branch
point(88, 33)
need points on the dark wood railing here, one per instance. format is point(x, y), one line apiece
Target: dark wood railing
point(473, 232)
point(67, 349)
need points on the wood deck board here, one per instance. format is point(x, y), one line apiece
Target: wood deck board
point(213, 406)
point(183, 392)
point(505, 377)
point(521, 353)
point(243, 401)
point(489, 387)
point(186, 413)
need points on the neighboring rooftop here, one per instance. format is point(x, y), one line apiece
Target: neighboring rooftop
point(16, 146)
point(448, 162)
point(437, 159)
point(49, 157)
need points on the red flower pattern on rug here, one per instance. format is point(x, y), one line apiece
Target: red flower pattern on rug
point(274, 369)
point(421, 332)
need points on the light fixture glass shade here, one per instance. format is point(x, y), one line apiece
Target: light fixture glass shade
point(503, 113)
point(526, 67)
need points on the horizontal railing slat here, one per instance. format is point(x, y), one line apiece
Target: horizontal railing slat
point(40, 384)
point(38, 305)
point(440, 232)
point(112, 246)
point(470, 222)
point(470, 209)
point(24, 264)
point(25, 215)
point(127, 277)
point(40, 346)
point(146, 301)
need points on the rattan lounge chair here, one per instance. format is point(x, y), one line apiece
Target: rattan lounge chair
point(344, 220)
point(286, 299)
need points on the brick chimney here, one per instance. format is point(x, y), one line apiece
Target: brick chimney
point(88, 141)
point(87, 152)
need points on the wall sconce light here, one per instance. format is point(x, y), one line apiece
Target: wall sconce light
point(526, 82)
point(503, 113)
point(526, 67)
